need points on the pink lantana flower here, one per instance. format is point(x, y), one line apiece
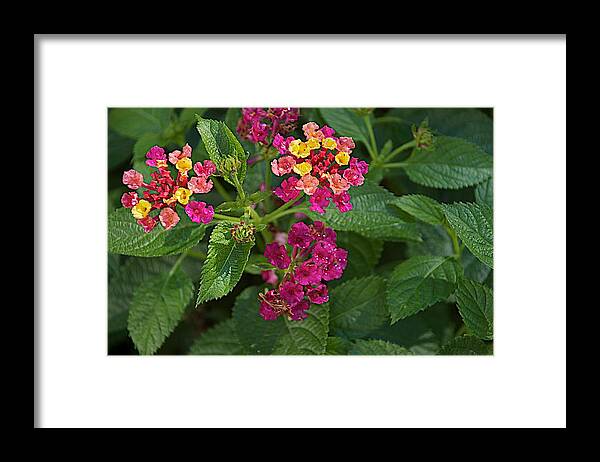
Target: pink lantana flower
point(360, 165)
point(300, 236)
point(308, 184)
point(199, 185)
point(270, 302)
point(345, 144)
point(318, 294)
point(291, 292)
point(166, 192)
point(270, 277)
point(199, 212)
point(133, 179)
point(315, 258)
point(322, 233)
point(287, 191)
point(155, 155)
point(353, 176)
point(129, 199)
point(283, 165)
point(168, 218)
point(206, 168)
point(308, 273)
point(298, 312)
point(338, 184)
point(335, 268)
point(320, 200)
point(277, 255)
point(342, 202)
point(322, 163)
point(148, 223)
point(282, 144)
point(262, 125)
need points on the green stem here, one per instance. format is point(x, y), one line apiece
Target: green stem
point(238, 186)
point(399, 149)
point(221, 189)
point(276, 213)
point(256, 217)
point(268, 202)
point(455, 245)
point(395, 165)
point(197, 254)
point(289, 212)
point(226, 218)
point(177, 264)
point(373, 149)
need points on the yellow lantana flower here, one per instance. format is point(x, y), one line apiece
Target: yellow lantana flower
point(141, 209)
point(303, 168)
point(342, 158)
point(183, 195)
point(184, 165)
point(313, 143)
point(299, 148)
point(329, 143)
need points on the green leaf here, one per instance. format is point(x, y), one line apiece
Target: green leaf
point(126, 237)
point(125, 280)
point(257, 263)
point(484, 193)
point(218, 340)
point(468, 123)
point(474, 269)
point(144, 143)
point(119, 149)
point(337, 346)
point(240, 204)
point(420, 282)
point(256, 335)
point(435, 242)
point(421, 207)
point(224, 264)
point(476, 306)
point(188, 115)
point(224, 150)
point(346, 123)
point(358, 307)
point(157, 307)
point(466, 345)
point(363, 254)
point(371, 216)
point(135, 122)
point(423, 333)
point(453, 163)
point(306, 337)
point(377, 347)
point(473, 224)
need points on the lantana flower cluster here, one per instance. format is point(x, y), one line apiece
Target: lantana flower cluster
point(164, 192)
point(325, 169)
point(260, 125)
point(314, 260)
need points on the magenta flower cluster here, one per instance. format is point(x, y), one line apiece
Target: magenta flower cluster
point(314, 260)
point(260, 125)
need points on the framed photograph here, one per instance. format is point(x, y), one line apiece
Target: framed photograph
point(241, 231)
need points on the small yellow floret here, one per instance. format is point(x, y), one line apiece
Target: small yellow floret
point(329, 143)
point(299, 148)
point(313, 143)
point(342, 158)
point(184, 165)
point(303, 168)
point(141, 209)
point(183, 195)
